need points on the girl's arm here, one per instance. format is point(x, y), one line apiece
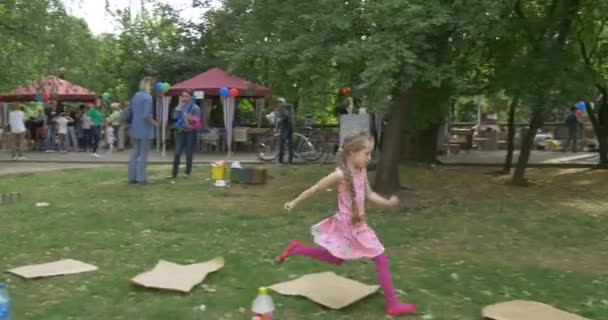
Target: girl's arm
point(372, 196)
point(323, 184)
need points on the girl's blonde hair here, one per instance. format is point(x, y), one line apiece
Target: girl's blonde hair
point(353, 143)
point(147, 83)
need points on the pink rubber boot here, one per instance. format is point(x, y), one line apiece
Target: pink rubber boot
point(296, 248)
point(393, 306)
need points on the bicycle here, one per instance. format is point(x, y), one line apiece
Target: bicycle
point(309, 146)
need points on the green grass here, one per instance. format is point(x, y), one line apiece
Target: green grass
point(461, 240)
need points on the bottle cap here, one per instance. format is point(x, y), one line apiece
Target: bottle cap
point(263, 290)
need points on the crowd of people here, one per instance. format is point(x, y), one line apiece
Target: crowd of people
point(65, 128)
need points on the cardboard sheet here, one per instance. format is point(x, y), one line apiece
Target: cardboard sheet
point(326, 288)
point(51, 269)
point(176, 277)
point(526, 310)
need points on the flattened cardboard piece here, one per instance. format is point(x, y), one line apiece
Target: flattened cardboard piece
point(526, 310)
point(51, 269)
point(326, 288)
point(176, 277)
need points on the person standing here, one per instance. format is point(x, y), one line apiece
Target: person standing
point(72, 131)
point(572, 122)
point(286, 123)
point(35, 124)
point(16, 120)
point(110, 136)
point(94, 114)
point(49, 141)
point(86, 132)
point(122, 129)
point(62, 122)
point(187, 117)
point(141, 131)
point(114, 117)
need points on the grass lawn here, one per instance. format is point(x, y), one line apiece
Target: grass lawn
point(462, 239)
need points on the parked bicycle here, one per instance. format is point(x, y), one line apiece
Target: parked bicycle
point(308, 145)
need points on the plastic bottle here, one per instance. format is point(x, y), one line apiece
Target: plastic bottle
point(262, 307)
point(5, 303)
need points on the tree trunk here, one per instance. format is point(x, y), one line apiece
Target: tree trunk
point(422, 145)
point(510, 137)
point(387, 173)
point(600, 126)
point(536, 122)
point(601, 132)
point(602, 139)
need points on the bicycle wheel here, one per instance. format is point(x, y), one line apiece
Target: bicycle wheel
point(267, 148)
point(320, 145)
point(305, 149)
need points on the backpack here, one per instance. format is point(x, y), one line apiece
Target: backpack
point(571, 120)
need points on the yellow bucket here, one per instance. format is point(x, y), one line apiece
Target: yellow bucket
point(218, 172)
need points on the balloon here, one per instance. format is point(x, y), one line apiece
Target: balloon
point(234, 92)
point(158, 86)
point(46, 96)
point(38, 98)
point(106, 96)
point(580, 106)
point(346, 91)
point(224, 92)
point(579, 113)
point(166, 86)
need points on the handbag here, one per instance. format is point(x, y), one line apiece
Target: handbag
point(126, 116)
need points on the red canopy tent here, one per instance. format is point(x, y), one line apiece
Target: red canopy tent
point(210, 82)
point(213, 80)
point(60, 90)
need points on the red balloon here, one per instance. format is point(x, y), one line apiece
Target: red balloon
point(234, 92)
point(46, 96)
point(579, 113)
point(346, 91)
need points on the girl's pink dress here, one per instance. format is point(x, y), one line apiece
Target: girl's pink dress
point(339, 236)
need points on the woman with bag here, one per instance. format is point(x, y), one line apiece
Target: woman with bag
point(187, 117)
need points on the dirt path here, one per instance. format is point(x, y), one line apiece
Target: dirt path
point(28, 167)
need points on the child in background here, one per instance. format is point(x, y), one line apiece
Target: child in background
point(62, 131)
point(16, 121)
point(110, 136)
point(346, 235)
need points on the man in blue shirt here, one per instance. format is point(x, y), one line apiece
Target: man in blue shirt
point(142, 125)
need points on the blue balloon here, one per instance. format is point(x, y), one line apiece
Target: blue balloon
point(224, 92)
point(581, 106)
point(159, 86)
point(38, 98)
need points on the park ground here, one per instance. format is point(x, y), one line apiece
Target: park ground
point(461, 239)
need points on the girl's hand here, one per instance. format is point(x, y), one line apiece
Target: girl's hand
point(393, 201)
point(290, 205)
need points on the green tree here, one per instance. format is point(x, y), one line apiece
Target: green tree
point(538, 63)
point(592, 37)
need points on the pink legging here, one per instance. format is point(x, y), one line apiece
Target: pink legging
point(384, 275)
point(317, 254)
